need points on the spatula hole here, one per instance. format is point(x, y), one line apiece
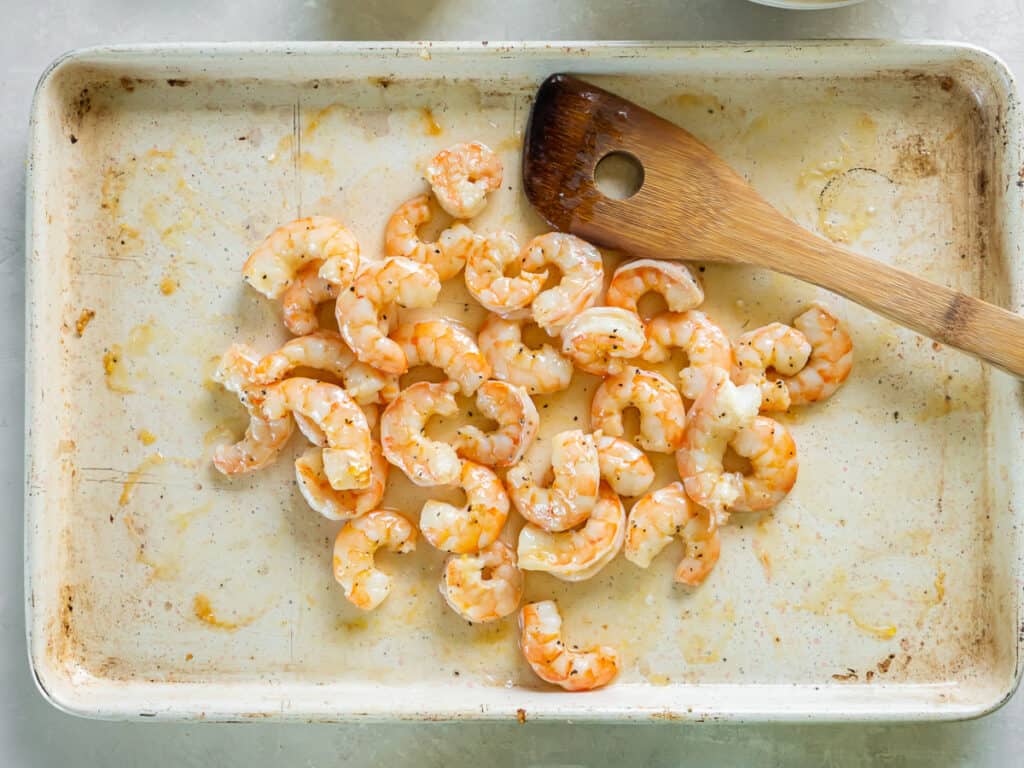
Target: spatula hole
point(619, 175)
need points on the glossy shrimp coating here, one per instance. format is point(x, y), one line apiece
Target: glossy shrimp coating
point(706, 346)
point(772, 454)
point(554, 662)
point(462, 176)
point(662, 515)
point(347, 458)
point(365, 309)
point(327, 351)
point(582, 278)
point(831, 357)
point(476, 524)
point(513, 409)
point(339, 505)
point(447, 345)
point(673, 280)
point(316, 436)
point(277, 261)
point(354, 547)
point(714, 419)
point(600, 340)
point(447, 256)
point(573, 491)
point(300, 300)
point(264, 438)
point(774, 346)
point(487, 278)
point(425, 462)
point(485, 585)
point(662, 414)
point(578, 554)
point(540, 371)
point(623, 466)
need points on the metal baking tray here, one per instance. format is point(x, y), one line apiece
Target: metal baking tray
point(886, 587)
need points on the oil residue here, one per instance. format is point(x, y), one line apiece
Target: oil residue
point(203, 611)
point(137, 474)
point(146, 437)
point(114, 370)
point(836, 598)
point(158, 570)
point(430, 124)
point(83, 321)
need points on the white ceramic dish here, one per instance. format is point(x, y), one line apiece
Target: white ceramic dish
point(807, 5)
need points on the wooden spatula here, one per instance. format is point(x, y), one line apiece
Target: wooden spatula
point(694, 207)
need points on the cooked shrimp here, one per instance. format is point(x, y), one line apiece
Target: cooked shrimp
point(705, 343)
point(364, 310)
point(623, 466)
point(347, 458)
point(663, 514)
point(476, 524)
point(600, 339)
point(662, 414)
point(581, 283)
point(264, 438)
point(447, 256)
point(578, 554)
point(339, 505)
point(487, 266)
point(539, 371)
point(553, 661)
point(774, 346)
point(672, 279)
point(365, 586)
point(300, 299)
point(316, 436)
point(831, 357)
point(462, 176)
point(327, 351)
point(715, 418)
point(772, 454)
point(402, 433)
point(483, 586)
point(278, 260)
point(447, 345)
point(573, 491)
point(518, 423)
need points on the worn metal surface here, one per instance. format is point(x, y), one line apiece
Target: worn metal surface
point(884, 587)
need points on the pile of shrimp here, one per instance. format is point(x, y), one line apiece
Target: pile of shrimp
point(360, 424)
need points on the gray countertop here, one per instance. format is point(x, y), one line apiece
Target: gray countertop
point(32, 733)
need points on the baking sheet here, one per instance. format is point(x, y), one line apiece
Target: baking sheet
point(885, 586)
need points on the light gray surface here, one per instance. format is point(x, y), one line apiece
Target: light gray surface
point(31, 733)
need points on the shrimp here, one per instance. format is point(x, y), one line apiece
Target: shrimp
point(552, 661)
point(715, 418)
point(425, 462)
point(347, 458)
point(487, 280)
point(277, 261)
point(476, 524)
point(705, 343)
point(327, 351)
point(447, 345)
point(623, 466)
point(462, 176)
point(483, 586)
point(365, 586)
point(518, 423)
point(300, 299)
point(657, 518)
point(600, 339)
point(316, 436)
point(447, 256)
point(581, 283)
point(573, 492)
point(364, 310)
point(264, 438)
point(578, 554)
point(775, 346)
point(339, 505)
point(772, 454)
point(662, 414)
point(673, 280)
point(831, 357)
point(539, 371)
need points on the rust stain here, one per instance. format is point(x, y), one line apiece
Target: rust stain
point(137, 474)
point(83, 321)
point(204, 612)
